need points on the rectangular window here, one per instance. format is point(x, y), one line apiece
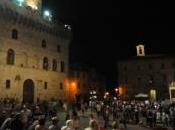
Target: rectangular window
point(61, 86)
point(62, 66)
point(45, 85)
point(7, 84)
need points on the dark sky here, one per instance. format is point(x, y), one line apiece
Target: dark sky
point(105, 32)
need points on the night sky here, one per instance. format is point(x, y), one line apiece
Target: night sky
point(105, 32)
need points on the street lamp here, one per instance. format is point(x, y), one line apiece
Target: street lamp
point(116, 90)
point(20, 2)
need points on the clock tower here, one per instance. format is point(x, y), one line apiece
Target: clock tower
point(34, 4)
point(140, 49)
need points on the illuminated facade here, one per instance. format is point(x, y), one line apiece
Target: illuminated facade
point(149, 74)
point(34, 4)
point(86, 80)
point(33, 54)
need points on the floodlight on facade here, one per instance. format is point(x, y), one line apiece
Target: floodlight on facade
point(47, 15)
point(20, 2)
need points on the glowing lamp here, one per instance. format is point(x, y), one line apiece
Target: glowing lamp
point(116, 89)
point(73, 84)
point(20, 2)
point(47, 13)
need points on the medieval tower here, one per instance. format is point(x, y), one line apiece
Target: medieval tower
point(33, 53)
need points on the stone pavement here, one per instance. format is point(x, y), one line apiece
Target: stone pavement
point(84, 122)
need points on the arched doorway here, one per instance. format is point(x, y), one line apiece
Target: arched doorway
point(28, 91)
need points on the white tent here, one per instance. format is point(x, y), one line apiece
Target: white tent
point(141, 95)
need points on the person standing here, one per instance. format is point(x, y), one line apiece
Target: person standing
point(54, 125)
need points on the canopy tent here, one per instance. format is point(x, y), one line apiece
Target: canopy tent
point(141, 95)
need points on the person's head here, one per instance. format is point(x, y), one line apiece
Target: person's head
point(55, 120)
point(4, 113)
point(12, 115)
point(24, 107)
point(69, 123)
point(91, 116)
point(93, 124)
point(42, 121)
point(115, 125)
point(18, 116)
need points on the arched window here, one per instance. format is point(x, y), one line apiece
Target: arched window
point(54, 65)
point(10, 57)
point(44, 44)
point(62, 66)
point(45, 63)
point(14, 34)
point(140, 50)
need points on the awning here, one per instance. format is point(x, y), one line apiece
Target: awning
point(141, 95)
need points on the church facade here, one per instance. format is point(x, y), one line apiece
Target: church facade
point(147, 74)
point(34, 53)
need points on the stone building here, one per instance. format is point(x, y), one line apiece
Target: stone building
point(33, 53)
point(148, 74)
point(84, 80)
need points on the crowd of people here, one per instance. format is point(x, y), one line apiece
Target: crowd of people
point(45, 115)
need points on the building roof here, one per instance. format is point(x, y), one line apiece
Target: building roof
point(152, 56)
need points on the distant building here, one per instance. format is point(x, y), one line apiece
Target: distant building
point(33, 52)
point(86, 80)
point(148, 74)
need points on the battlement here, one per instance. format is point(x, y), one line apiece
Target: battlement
point(30, 18)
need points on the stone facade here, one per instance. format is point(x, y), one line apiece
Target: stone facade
point(143, 74)
point(87, 80)
point(32, 31)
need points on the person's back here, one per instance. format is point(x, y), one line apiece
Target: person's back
point(41, 125)
point(54, 125)
point(93, 125)
point(16, 123)
point(115, 125)
point(68, 126)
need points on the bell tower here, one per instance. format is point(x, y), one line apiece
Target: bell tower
point(34, 4)
point(140, 49)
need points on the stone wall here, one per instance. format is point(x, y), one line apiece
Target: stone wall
point(29, 56)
